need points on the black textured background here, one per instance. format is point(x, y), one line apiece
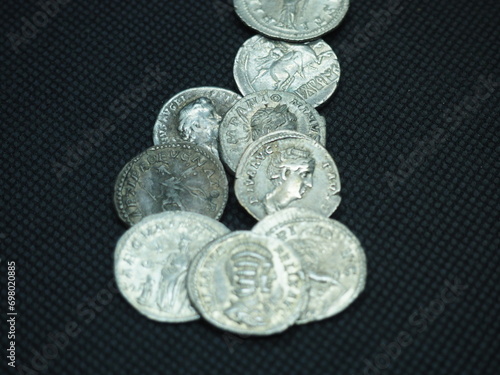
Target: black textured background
point(411, 127)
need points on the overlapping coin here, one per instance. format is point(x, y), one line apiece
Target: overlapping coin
point(332, 258)
point(262, 112)
point(194, 115)
point(287, 169)
point(310, 70)
point(152, 260)
point(175, 176)
point(293, 20)
point(248, 284)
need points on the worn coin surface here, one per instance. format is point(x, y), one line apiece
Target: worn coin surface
point(248, 284)
point(152, 260)
point(310, 70)
point(194, 115)
point(332, 258)
point(286, 169)
point(262, 112)
point(176, 176)
point(293, 20)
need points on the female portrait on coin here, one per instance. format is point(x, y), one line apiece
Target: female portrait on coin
point(262, 112)
point(247, 283)
point(293, 20)
point(310, 70)
point(172, 177)
point(194, 115)
point(152, 260)
point(287, 169)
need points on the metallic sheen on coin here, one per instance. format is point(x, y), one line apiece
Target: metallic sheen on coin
point(286, 169)
point(247, 284)
point(293, 20)
point(262, 112)
point(332, 258)
point(152, 260)
point(194, 115)
point(172, 177)
point(310, 70)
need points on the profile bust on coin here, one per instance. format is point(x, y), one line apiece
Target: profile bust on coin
point(291, 172)
point(199, 123)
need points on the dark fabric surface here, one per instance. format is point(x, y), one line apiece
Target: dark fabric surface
point(412, 128)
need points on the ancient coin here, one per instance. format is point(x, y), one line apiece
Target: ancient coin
point(293, 20)
point(310, 70)
point(262, 112)
point(332, 258)
point(176, 176)
point(152, 259)
point(285, 169)
point(247, 284)
point(194, 115)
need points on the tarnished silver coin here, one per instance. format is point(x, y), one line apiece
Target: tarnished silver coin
point(332, 258)
point(194, 115)
point(286, 169)
point(152, 259)
point(293, 20)
point(247, 284)
point(310, 70)
point(262, 112)
point(171, 177)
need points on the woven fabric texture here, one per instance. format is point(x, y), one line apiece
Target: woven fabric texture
point(412, 127)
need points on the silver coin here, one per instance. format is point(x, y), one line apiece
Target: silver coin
point(262, 112)
point(152, 259)
point(310, 70)
point(171, 177)
point(194, 115)
point(293, 20)
point(247, 284)
point(286, 169)
point(332, 258)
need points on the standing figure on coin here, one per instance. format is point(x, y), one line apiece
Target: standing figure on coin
point(199, 123)
point(291, 172)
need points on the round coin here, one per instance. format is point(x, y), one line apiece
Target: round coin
point(247, 284)
point(293, 20)
point(286, 169)
point(194, 115)
point(171, 177)
point(262, 112)
point(333, 260)
point(152, 260)
point(310, 70)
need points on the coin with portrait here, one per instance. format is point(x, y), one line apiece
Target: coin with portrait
point(247, 284)
point(333, 260)
point(287, 169)
point(152, 260)
point(262, 112)
point(194, 115)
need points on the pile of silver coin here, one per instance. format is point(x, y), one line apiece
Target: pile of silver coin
point(177, 262)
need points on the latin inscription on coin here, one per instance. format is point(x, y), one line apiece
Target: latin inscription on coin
point(194, 115)
point(247, 284)
point(152, 260)
point(262, 112)
point(294, 20)
point(310, 70)
point(177, 176)
point(333, 260)
point(285, 169)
